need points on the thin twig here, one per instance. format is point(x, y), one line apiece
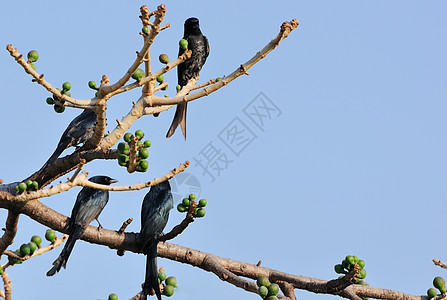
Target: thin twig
point(202, 85)
point(39, 79)
point(286, 28)
point(120, 252)
point(75, 174)
point(125, 224)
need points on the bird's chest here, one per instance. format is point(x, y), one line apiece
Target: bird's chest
point(197, 47)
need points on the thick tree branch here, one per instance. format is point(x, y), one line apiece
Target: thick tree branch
point(130, 241)
point(68, 163)
point(211, 264)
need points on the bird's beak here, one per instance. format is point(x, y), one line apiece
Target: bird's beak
point(113, 180)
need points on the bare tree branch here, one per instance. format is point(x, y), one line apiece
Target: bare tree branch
point(81, 180)
point(10, 231)
point(159, 15)
point(39, 79)
point(130, 241)
point(287, 289)
point(57, 242)
point(68, 163)
point(8, 286)
point(286, 28)
point(440, 263)
point(178, 229)
point(211, 264)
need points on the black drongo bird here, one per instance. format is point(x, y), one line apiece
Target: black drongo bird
point(154, 215)
point(89, 204)
point(190, 68)
point(79, 131)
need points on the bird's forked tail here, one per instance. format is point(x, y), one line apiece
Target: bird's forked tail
point(61, 261)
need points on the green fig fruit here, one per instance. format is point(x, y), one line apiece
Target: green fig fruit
point(92, 85)
point(128, 137)
point(36, 239)
point(33, 56)
point(50, 235)
point(263, 281)
point(181, 208)
point(273, 289)
point(183, 44)
point(171, 281)
point(339, 269)
point(138, 74)
point(144, 165)
point(139, 134)
point(25, 249)
point(263, 291)
point(438, 282)
point(32, 246)
point(66, 86)
point(143, 153)
point(168, 290)
point(431, 293)
point(22, 187)
point(160, 79)
point(59, 108)
point(123, 147)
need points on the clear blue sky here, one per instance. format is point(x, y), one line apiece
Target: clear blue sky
point(351, 161)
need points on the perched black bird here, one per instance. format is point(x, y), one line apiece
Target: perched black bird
point(89, 204)
point(154, 215)
point(190, 68)
point(79, 131)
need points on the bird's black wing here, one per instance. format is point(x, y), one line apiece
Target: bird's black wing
point(91, 206)
point(154, 215)
point(81, 129)
point(207, 49)
point(78, 131)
